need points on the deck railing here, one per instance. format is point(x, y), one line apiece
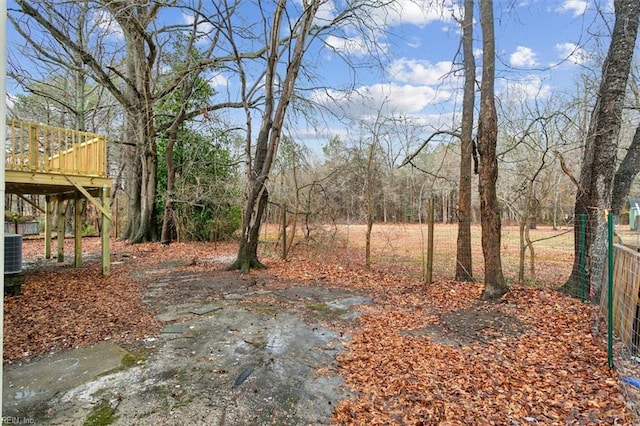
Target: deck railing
point(37, 148)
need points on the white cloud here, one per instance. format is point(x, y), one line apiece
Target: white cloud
point(609, 7)
point(577, 7)
point(202, 27)
point(406, 98)
point(529, 87)
point(523, 57)
point(571, 52)
point(436, 121)
point(352, 45)
point(415, 87)
point(103, 19)
point(416, 12)
point(394, 13)
point(326, 12)
point(390, 97)
point(418, 71)
point(218, 80)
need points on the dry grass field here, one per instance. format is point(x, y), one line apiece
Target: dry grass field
point(407, 244)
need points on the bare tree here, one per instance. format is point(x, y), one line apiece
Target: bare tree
point(272, 120)
point(375, 132)
point(526, 157)
point(464, 264)
point(282, 64)
point(189, 95)
point(494, 283)
point(593, 197)
point(370, 200)
point(464, 261)
point(294, 175)
point(61, 86)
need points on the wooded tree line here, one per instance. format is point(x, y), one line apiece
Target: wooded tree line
point(156, 87)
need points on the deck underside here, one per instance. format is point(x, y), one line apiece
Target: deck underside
point(62, 186)
point(60, 189)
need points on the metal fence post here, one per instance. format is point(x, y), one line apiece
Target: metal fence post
point(583, 248)
point(428, 278)
point(610, 291)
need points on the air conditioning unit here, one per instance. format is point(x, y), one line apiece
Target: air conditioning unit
point(12, 254)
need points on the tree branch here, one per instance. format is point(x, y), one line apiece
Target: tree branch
point(424, 144)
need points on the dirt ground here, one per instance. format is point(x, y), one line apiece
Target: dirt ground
point(228, 348)
point(308, 341)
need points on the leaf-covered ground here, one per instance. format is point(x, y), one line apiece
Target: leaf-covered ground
point(62, 307)
point(553, 372)
point(420, 355)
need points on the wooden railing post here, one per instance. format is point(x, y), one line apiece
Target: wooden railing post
point(33, 146)
point(75, 146)
point(103, 155)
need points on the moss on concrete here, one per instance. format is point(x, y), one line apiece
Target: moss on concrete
point(102, 414)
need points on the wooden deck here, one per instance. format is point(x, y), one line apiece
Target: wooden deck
point(50, 160)
point(63, 165)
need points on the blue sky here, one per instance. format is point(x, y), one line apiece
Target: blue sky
point(542, 46)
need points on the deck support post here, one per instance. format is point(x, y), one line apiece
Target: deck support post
point(105, 231)
point(48, 221)
point(60, 213)
point(78, 232)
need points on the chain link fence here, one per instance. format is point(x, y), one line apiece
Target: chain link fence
point(618, 321)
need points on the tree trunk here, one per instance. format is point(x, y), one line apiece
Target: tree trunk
point(132, 87)
point(494, 283)
point(139, 110)
point(80, 78)
point(133, 179)
point(369, 198)
point(283, 233)
point(252, 220)
point(556, 196)
point(464, 264)
point(522, 251)
point(148, 227)
point(141, 225)
point(294, 222)
point(532, 254)
point(167, 219)
point(593, 197)
point(626, 174)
